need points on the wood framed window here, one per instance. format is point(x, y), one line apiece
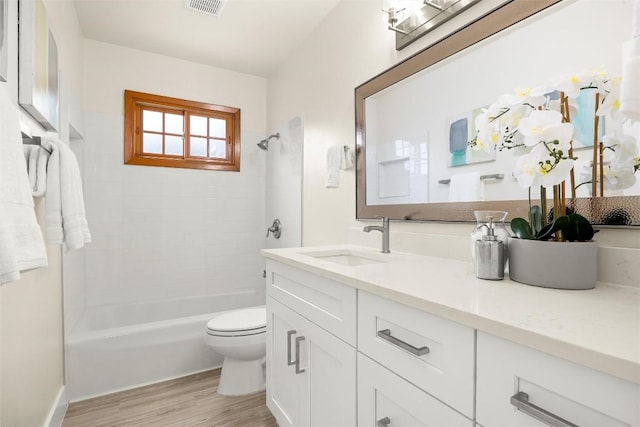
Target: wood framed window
point(163, 131)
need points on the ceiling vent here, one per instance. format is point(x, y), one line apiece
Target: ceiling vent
point(210, 7)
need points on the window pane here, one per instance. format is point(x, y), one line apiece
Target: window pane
point(198, 125)
point(152, 143)
point(173, 145)
point(198, 147)
point(217, 149)
point(173, 123)
point(217, 128)
point(151, 120)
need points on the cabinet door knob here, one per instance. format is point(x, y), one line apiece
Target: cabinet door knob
point(383, 422)
point(385, 334)
point(297, 362)
point(521, 401)
point(289, 335)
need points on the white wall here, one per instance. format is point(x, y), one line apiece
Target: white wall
point(167, 232)
point(283, 184)
point(351, 46)
point(31, 336)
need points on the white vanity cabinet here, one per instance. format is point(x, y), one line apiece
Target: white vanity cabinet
point(311, 355)
point(385, 399)
point(517, 386)
point(376, 345)
point(422, 361)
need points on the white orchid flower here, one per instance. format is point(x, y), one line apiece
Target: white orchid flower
point(532, 96)
point(486, 133)
point(545, 165)
point(545, 125)
point(625, 148)
point(571, 84)
point(610, 99)
point(618, 178)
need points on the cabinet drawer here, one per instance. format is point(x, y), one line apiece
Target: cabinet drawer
point(398, 337)
point(386, 399)
point(569, 391)
point(329, 304)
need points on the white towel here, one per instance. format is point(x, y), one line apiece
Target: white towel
point(66, 218)
point(339, 157)
point(36, 158)
point(334, 160)
point(348, 158)
point(466, 187)
point(21, 244)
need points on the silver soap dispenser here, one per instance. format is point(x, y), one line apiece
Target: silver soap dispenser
point(490, 255)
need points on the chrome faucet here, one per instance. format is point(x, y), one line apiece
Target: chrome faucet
point(385, 233)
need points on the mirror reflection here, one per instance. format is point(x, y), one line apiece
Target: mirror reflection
point(421, 132)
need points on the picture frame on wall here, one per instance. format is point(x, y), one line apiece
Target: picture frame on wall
point(4, 32)
point(38, 80)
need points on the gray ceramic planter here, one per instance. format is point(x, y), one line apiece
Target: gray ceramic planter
point(559, 265)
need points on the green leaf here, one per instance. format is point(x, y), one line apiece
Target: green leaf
point(558, 224)
point(521, 228)
point(535, 218)
point(578, 229)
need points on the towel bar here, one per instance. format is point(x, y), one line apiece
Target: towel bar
point(35, 140)
point(495, 176)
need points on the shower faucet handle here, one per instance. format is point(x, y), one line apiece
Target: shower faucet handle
point(276, 229)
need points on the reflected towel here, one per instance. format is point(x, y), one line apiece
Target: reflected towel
point(466, 187)
point(66, 218)
point(37, 159)
point(630, 85)
point(21, 243)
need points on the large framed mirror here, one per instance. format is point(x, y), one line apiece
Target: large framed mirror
point(407, 115)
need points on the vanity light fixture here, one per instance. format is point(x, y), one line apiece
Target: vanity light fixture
point(421, 17)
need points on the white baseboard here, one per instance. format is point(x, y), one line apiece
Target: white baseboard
point(59, 409)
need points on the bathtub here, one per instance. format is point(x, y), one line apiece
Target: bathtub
point(113, 348)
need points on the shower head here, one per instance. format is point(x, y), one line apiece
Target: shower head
point(264, 144)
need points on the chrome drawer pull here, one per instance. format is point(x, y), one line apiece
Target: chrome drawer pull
point(384, 422)
point(385, 334)
point(297, 363)
point(289, 335)
point(521, 401)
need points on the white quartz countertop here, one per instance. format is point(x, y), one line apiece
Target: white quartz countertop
point(597, 328)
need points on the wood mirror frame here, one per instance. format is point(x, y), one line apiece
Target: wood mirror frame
point(617, 210)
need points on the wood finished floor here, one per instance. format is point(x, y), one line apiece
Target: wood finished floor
point(184, 402)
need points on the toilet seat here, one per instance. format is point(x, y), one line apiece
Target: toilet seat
point(243, 322)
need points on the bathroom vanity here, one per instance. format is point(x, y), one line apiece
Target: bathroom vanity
point(357, 337)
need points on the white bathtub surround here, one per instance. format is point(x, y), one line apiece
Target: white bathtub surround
point(596, 328)
point(117, 347)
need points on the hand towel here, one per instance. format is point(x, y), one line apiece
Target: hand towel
point(21, 243)
point(66, 218)
point(335, 154)
point(348, 158)
point(37, 159)
point(466, 187)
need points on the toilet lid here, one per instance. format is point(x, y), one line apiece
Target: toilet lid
point(252, 320)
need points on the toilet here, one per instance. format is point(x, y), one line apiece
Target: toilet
point(240, 336)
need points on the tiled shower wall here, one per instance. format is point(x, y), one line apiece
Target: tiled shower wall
point(168, 232)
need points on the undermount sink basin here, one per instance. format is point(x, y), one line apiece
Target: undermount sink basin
point(345, 257)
